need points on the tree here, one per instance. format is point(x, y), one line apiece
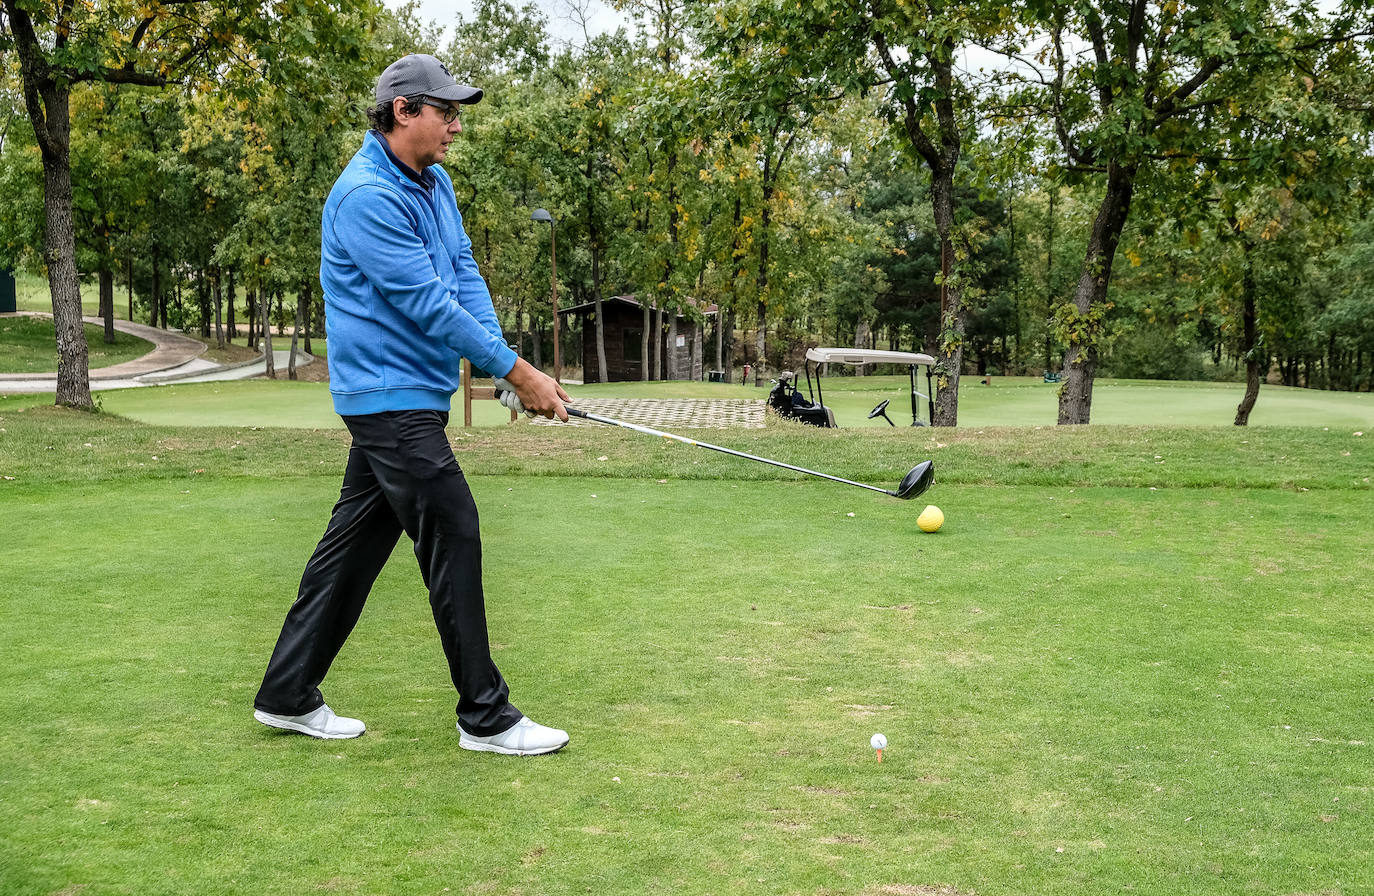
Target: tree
point(908, 52)
point(237, 45)
point(118, 42)
point(1144, 95)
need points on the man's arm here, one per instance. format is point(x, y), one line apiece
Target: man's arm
point(374, 227)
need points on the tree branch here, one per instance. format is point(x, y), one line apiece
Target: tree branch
point(33, 70)
point(922, 143)
point(127, 75)
point(1093, 22)
point(1061, 126)
point(1135, 33)
point(137, 37)
point(1169, 106)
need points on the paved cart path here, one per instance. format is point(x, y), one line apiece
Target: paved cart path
point(174, 358)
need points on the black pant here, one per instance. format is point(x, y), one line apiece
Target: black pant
point(401, 475)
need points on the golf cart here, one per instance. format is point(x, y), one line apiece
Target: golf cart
point(787, 400)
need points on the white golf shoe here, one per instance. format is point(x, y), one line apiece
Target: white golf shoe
point(320, 723)
point(525, 738)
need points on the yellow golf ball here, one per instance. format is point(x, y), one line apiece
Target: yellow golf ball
point(931, 519)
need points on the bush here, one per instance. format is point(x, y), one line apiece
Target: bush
point(1157, 353)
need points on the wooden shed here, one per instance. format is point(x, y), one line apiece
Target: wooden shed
point(675, 353)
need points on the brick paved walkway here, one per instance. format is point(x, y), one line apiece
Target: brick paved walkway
point(672, 413)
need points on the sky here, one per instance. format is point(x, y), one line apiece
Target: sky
point(563, 26)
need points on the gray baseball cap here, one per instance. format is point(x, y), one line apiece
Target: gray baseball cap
point(420, 73)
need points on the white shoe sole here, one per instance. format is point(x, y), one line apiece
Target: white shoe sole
point(275, 722)
point(479, 747)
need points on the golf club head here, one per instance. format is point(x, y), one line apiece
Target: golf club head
point(917, 481)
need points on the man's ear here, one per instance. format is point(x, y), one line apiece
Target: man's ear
point(398, 108)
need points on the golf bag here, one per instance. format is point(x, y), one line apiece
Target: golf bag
point(787, 401)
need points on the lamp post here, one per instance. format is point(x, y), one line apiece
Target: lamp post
point(540, 214)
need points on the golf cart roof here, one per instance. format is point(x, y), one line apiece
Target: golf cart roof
point(861, 356)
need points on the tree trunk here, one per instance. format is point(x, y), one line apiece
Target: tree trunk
point(940, 150)
point(656, 346)
point(218, 301)
point(949, 352)
point(861, 334)
point(1080, 357)
point(59, 251)
point(295, 336)
point(727, 361)
point(204, 300)
point(644, 344)
point(47, 101)
point(107, 301)
point(673, 365)
point(1255, 360)
point(720, 338)
point(250, 300)
point(155, 310)
point(265, 304)
point(698, 337)
point(1049, 279)
point(233, 327)
point(129, 286)
point(307, 298)
point(760, 342)
point(761, 334)
point(602, 374)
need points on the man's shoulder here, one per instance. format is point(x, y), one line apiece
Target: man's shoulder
point(365, 171)
point(367, 181)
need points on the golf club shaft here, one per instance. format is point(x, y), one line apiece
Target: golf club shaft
point(597, 418)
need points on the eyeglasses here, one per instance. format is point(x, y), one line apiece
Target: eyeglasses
point(451, 113)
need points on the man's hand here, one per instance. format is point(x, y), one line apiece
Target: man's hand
point(506, 394)
point(535, 391)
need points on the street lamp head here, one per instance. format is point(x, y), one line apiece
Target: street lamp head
point(541, 214)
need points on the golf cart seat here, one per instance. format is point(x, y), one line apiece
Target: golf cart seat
point(788, 402)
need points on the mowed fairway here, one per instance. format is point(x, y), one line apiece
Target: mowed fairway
point(1157, 686)
point(1009, 401)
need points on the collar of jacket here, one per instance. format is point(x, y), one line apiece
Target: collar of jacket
point(422, 178)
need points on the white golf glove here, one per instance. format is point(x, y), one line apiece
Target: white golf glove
point(505, 393)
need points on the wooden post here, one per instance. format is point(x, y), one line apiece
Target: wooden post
point(469, 393)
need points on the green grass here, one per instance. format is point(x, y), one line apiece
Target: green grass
point(1106, 673)
point(1008, 403)
point(1029, 401)
point(27, 345)
point(31, 293)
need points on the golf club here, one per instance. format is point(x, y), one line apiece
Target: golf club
point(913, 483)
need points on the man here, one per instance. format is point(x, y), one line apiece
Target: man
point(405, 303)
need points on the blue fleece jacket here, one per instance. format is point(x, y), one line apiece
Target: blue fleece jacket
point(404, 300)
